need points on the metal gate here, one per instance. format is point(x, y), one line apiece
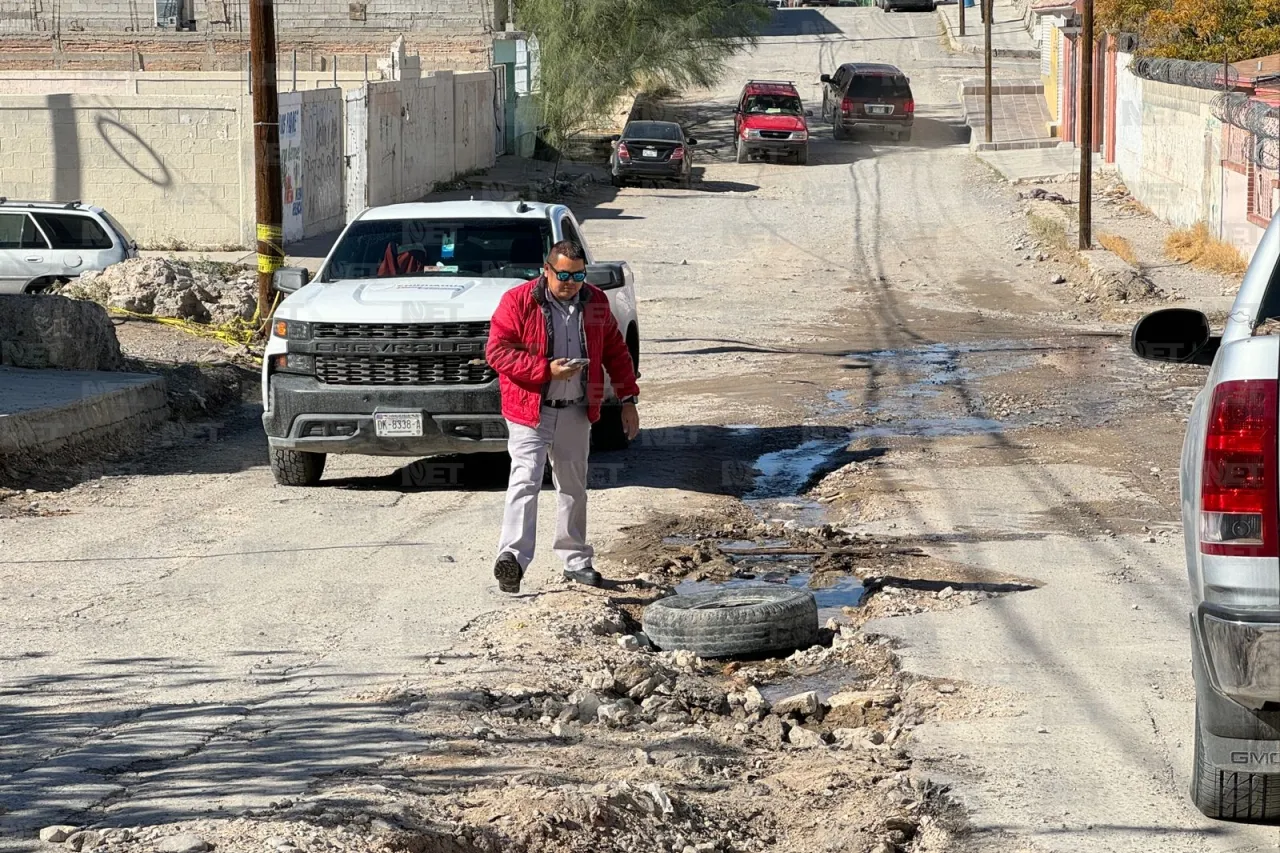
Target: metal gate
point(499, 110)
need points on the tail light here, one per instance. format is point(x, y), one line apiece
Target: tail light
point(846, 105)
point(910, 107)
point(623, 153)
point(677, 153)
point(1238, 497)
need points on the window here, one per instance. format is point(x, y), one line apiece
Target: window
point(654, 130)
point(488, 248)
point(774, 105)
point(69, 231)
point(879, 86)
point(569, 232)
point(18, 231)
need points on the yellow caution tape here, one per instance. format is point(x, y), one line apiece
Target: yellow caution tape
point(235, 332)
point(272, 237)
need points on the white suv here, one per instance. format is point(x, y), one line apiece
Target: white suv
point(47, 243)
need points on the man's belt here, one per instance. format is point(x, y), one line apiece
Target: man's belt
point(562, 404)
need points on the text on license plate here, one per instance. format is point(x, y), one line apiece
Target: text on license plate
point(398, 424)
point(650, 152)
point(879, 110)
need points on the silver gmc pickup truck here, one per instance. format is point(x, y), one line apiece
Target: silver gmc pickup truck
point(1230, 484)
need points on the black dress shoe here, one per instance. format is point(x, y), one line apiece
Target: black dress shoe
point(587, 576)
point(508, 572)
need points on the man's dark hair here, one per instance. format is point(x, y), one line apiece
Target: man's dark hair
point(569, 250)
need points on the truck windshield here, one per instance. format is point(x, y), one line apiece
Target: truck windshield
point(485, 248)
point(773, 105)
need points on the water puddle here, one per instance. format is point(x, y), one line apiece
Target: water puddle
point(785, 473)
point(826, 683)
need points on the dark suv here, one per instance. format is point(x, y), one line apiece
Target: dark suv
point(866, 95)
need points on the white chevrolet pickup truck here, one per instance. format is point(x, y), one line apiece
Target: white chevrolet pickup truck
point(1230, 481)
point(383, 353)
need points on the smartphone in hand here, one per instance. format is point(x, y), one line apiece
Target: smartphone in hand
point(576, 362)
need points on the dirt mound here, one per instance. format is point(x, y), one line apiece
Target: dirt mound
point(202, 291)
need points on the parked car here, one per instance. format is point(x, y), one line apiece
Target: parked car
point(908, 5)
point(383, 353)
point(868, 96)
point(1230, 490)
point(770, 119)
point(45, 243)
point(657, 150)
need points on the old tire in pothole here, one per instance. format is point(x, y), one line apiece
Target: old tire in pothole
point(728, 623)
point(295, 468)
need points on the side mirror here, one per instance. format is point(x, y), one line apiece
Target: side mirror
point(808, 113)
point(1177, 335)
point(290, 279)
point(605, 276)
point(614, 138)
point(825, 78)
point(691, 141)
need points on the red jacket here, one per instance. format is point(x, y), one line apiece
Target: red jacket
point(519, 341)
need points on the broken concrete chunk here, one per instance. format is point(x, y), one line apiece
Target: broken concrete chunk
point(187, 842)
point(804, 738)
point(802, 704)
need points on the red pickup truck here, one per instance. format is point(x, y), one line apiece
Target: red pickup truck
point(770, 119)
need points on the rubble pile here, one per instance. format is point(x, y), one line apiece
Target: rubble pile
point(202, 292)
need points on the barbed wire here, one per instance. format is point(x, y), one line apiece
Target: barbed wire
point(1182, 72)
point(1259, 119)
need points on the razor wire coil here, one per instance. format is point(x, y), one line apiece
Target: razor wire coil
point(1182, 72)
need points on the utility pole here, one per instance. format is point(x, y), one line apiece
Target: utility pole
point(266, 148)
point(1086, 125)
point(961, 5)
point(988, 9)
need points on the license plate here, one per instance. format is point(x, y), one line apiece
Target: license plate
point(398, 424)
point(878, 110)
point(650, 152)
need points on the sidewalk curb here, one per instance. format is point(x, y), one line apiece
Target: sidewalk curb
point(128, 406)
point(975, 121)
point(953, 39)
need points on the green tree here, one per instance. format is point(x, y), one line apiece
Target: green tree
point(1202, 30)
point(593, 52)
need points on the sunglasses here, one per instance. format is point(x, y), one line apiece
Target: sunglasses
point(561, 275)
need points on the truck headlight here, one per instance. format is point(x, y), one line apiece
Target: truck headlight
point(292, 330)
point(293, 362)
point(800, 135)
point(753, 134)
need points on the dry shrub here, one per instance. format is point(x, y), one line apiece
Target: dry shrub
point(1050, 232)
point(1120, 247)
point(1197, 246)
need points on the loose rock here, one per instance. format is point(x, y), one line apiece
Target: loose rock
point(56, 834)
point(185, 843)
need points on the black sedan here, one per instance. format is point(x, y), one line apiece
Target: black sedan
point(656, 150)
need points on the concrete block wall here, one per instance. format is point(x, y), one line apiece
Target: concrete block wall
point(444, 17)
point(418, 133)
point(174, 170)
point(1168, 148)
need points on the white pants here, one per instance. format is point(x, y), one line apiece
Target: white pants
point(565, 436)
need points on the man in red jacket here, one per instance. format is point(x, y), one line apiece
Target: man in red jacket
point(543, 334)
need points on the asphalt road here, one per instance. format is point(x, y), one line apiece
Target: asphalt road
point(190, 637)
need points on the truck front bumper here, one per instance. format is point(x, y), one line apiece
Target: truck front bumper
point(1242, 649)
point(775, 146)
point(307, 415)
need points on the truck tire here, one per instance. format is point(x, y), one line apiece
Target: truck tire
point(607, 433)
point(802, 156)
point(742, 152)
point(295, 468)
point(749, 621)
point(1228, 795)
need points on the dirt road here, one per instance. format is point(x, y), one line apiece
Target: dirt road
point(183, 641)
